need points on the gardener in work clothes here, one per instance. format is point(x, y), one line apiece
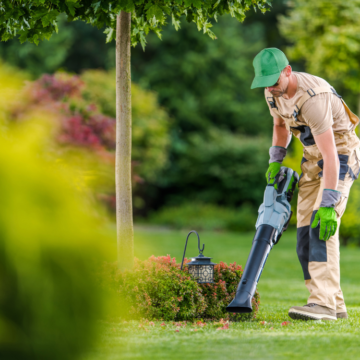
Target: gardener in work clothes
point(309, 108)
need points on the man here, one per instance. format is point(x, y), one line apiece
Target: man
point(309, 108)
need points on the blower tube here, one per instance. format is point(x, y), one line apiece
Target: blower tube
point(260, 249)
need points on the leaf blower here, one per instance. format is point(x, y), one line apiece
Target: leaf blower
point(273, 219)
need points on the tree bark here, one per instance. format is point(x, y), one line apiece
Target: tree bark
point(124, 212)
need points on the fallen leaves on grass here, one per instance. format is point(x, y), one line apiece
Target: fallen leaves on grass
point(225, 327)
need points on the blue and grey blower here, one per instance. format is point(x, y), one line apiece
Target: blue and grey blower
point(274, 217)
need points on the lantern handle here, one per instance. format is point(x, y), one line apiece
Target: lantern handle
point(200, 250)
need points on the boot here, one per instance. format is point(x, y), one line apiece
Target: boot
point(312, 312)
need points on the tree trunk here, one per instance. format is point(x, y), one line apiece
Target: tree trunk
point(124, 214)
point(358, 104)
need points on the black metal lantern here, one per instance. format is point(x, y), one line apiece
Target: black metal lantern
point(201, 268)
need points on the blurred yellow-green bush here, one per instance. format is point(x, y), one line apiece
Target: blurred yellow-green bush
point(50, 238)
point(11, 80)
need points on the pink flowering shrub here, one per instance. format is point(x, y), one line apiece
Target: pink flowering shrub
point(157, 289)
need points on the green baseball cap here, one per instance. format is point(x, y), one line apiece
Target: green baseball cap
point(268, 64)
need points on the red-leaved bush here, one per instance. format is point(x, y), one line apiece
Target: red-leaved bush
point(157, 289)
point(81, 124)
point(82, 112)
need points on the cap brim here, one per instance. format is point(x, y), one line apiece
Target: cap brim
point(265, 81)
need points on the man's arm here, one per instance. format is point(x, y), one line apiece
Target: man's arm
point(281, 136)
point(326, 145)
point(281, 139)
point(326, 213)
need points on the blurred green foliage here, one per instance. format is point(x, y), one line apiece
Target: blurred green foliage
point(206, 217)
point(218, 167)
point(50, 239)
point(11, 81)
point(37, 20)
point(219, 132)
point(350, 224)
point(151, 123)
point(206, 83)
point(326, 36)
point(82, 109)
point(77, 46)
point(205, 86)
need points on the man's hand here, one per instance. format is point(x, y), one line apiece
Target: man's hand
point(272, 171)
point(328, 222)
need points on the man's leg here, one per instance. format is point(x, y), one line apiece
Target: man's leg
point(324, 258)
point(322, 277)
point(308, 193)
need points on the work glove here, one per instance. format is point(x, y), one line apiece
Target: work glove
point(272, 171)
point(326, 214)
point(328, 224)
point(277, 154)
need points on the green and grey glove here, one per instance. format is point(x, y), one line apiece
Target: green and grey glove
point(277, 154)
point(326, 214)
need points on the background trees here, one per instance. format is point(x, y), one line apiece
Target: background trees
point(210, 99)
point(129, 23)
point(326, 36)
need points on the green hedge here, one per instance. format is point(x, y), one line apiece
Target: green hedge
point(206, 217)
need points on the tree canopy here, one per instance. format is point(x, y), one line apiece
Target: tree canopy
point(326, 34)
point(36, 20)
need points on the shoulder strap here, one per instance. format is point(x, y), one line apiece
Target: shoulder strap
point(272, 103)
point(309, 94)
point(321, 90)
point(353, 118)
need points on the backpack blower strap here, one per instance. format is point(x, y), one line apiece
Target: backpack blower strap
point(308, 95)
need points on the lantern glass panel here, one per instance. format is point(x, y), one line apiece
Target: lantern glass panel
point(202, 273)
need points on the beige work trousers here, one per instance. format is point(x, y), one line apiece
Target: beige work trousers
point(320, 259)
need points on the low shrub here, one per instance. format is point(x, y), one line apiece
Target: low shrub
point(206, 217)
point(156, 289)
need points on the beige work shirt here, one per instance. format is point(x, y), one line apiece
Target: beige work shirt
point(319, 112)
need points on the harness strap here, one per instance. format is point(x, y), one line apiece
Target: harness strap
point(322, 90)
point(272, 104)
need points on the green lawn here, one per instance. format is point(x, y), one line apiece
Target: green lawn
point(281, 286)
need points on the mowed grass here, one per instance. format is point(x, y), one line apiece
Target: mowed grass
point(281, 286)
